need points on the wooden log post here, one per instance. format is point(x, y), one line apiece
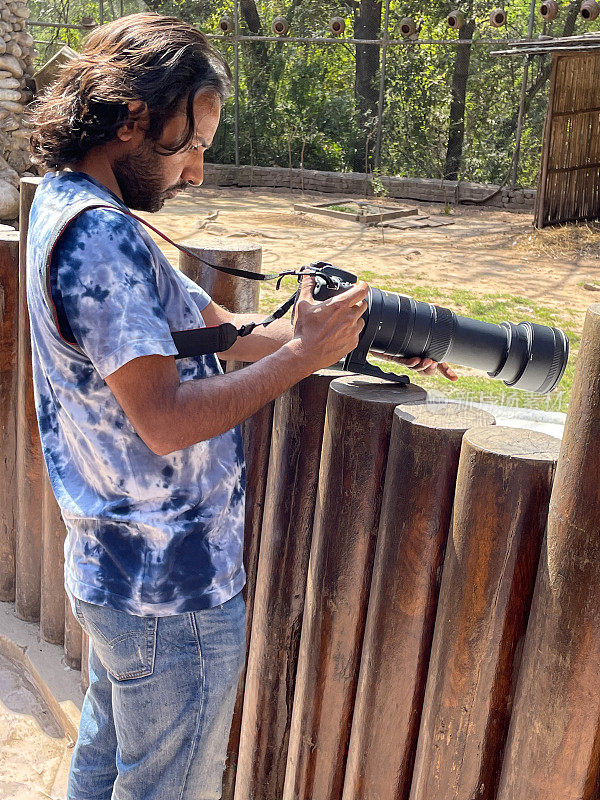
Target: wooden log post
point(9, 327)
point(29, 452)
point(239, 295)
point(52, 606)
point(501, 506)
point(256, 433)
point(73, 638)
point(415, 518)
point(553, 744)
point(355, 447)
point(85, 662)
point(298, 423)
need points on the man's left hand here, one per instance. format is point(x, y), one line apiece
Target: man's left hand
point(425, 365)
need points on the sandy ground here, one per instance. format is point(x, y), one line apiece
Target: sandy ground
point(485, 251)
point(34, 753)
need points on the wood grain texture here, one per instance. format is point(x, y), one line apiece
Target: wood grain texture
point(298, 423)
point(9, 330)
point(239, 296)
point(235, 294)
point(52, 606)
point(553, 747)
point(413, 528)
point(73, 637)
point(256, 432)
point(29, 452)
point(355, 447)
point(501, 505)
point(568, 187)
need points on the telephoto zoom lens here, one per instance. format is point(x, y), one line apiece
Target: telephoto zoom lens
point(527, 356)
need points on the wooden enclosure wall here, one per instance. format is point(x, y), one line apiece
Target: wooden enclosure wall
point(569, 184)
point(393, 549)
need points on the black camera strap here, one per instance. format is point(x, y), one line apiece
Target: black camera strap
point(213, 339)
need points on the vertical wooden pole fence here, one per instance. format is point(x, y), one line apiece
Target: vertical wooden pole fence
point(9, 327)
point(502, 493)
point(52, 608)
point(298, 424)
point(85, 656)
point(553, 748)
point(256, 432)
point(29, 451)
point(365, 677)
point(73, 634)
point(413, 528)
point(355, 448)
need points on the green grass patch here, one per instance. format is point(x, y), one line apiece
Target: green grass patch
point(345, 209)
point(476, 389)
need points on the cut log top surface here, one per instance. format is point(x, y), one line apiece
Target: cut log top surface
point(226, 246)
point(447, 416)
point(377, 390)
point(514, 443)
point(594, 310)
point(336, 371)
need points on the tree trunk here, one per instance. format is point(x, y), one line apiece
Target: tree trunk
point(259, 50)
point(508, 129)
point(367, 24)
point(456, 132)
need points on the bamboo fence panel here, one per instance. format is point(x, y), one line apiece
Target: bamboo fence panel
point(569, 185)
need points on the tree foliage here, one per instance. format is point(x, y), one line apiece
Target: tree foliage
point(448, 110)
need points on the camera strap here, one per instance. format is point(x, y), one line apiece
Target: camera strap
point(206, 340)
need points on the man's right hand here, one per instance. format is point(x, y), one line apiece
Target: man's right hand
point(326, 331)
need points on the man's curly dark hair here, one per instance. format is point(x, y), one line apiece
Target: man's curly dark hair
point(160, 61)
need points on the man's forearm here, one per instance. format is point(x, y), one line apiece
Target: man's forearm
point(261, 342)
point(170, 415)
point(208, 407)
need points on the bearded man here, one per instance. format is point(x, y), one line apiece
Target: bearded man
point(144, 452)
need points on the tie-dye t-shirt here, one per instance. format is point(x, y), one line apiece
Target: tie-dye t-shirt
point(146, 534)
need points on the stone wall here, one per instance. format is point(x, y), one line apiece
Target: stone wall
point(17, 53)
point(423, 189)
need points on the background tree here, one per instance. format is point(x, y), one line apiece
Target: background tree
point(448, 110)
point(367, 25)
point(460, 77)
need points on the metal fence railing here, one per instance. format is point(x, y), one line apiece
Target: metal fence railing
point(295, 99)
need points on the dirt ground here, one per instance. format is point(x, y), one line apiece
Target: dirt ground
point(34, 752)
point(485, 251)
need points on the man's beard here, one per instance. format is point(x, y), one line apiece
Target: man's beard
point(141, 180)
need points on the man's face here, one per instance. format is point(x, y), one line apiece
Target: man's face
point(146, 178)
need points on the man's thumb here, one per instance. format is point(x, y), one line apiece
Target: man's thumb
point(307, 285)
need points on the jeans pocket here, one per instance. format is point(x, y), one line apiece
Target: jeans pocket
point(124, 643)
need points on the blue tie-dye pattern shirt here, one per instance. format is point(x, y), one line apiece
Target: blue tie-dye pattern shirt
point(146, 534)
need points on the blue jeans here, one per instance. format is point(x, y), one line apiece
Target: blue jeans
point(155, 720)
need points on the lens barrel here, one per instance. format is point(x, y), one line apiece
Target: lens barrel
point(527, 356)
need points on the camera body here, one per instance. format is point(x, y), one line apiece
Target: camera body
point(340, 281)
